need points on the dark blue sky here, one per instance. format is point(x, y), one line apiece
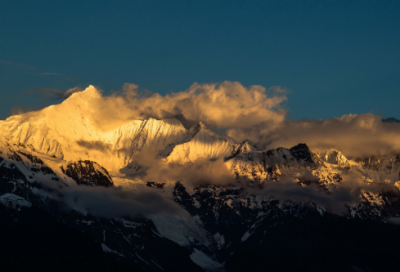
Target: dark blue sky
point(336, 57)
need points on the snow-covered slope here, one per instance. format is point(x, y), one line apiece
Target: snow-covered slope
point(201, 143)
point(270, 165)
point(14, 201)
point(67, 131)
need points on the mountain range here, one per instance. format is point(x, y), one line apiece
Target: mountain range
point(144, 195)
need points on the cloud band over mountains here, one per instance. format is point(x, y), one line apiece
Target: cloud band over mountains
point(253, 113)
point(88, 121)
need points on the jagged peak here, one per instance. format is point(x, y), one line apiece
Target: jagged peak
point(200, 128)
point(89, 91)
point(332, 152)
point(300, 146)
point(194, 130)
point(76, 98)
point(200, 124)
point(87, 94)
point(243, 147)
point(334, 156)
point(247, 146)
point(301, 152)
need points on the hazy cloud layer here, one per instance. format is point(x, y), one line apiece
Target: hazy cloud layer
point(252, 113)
point(354, 135)
point(202, 172)
point(225, 105)
point(116, 202)
point(28, 69)
point(113, 201)
point(96, 145)
point(287, 189)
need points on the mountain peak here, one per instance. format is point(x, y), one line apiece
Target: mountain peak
point(87, 94)
point(334, 156)
point(300, 147)
point(201, 125)
point(198, 128)
point(301, 152)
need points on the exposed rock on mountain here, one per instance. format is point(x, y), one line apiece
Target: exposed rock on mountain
point(388, 164)
point(88, 173)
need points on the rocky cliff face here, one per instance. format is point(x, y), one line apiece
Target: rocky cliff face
point(88, 173)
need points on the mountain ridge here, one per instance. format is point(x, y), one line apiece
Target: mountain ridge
point(59, 163)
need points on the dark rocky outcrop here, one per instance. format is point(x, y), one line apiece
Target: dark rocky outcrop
point(88, 173)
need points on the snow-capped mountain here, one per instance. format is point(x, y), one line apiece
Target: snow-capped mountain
point(83, 179)
point(66, 131)
point(335, 157)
